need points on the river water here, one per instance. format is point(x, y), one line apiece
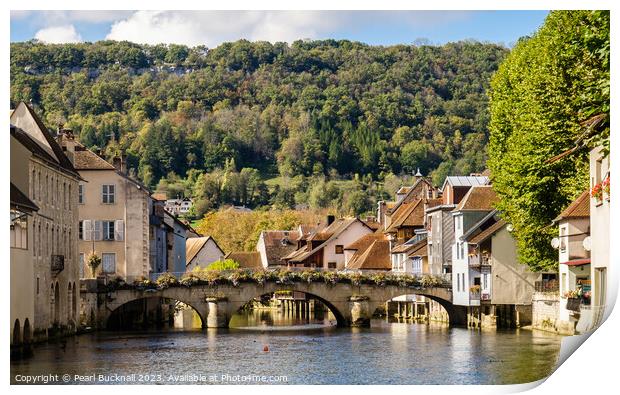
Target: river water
point(273, 347)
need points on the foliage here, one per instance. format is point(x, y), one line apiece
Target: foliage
point(540, 97)
point(166, 280)
point(93, 261)
point(239, 231)
point(244, 111)
point(225, 264)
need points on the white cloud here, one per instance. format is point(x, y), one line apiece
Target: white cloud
point(59, 35)
point(211, 28)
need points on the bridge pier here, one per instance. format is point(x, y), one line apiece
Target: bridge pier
point(359, 308)
point(217, 313)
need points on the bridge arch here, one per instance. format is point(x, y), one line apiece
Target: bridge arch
point(341, 319)
point(457, 315)
point(114, 313)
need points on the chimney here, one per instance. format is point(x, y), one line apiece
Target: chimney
point(119, 163)
point(67, 142)
point(381, 209)
point(330, 219)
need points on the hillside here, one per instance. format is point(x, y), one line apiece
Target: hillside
point(216, 123)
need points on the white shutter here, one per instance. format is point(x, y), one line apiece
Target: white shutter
point(98, 231)
point(87, 229)
point(119, 230)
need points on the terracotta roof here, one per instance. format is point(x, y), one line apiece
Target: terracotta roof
point(577, 262)
point(478, 198)
point(375, 257)
point(278, 244)
point(579, 208)
point(372, 224)
point(485, 234)
point(408, 214)
point(334, 230)
point(21, 201)
point(420, 249)
point(412, 189)
point(408, 246)
point(159, 196)
point(363, 242)
point(246, 260)
point(390, 205)
point(430, 203)
point(193, 245)
point(86, 159)
point(403, 190)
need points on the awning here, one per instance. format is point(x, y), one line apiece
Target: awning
point(577, 262)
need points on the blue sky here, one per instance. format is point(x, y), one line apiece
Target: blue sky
point(211, 28)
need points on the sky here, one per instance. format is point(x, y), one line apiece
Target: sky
point(212, 28)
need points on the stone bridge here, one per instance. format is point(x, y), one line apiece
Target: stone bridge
point(352, 305)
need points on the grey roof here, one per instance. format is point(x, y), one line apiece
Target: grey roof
point(465, 181)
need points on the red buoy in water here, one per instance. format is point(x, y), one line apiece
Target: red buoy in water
point(266, 348)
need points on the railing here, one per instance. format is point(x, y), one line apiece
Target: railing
point(57, 264)
point(546, 286)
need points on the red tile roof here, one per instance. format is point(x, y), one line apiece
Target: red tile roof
point(579, 208)
point(375, 257)
point(479, 197)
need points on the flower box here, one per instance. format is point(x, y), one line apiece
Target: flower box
point(573, 304)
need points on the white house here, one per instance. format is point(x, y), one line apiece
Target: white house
point(201, 252)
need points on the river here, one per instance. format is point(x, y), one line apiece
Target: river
point(273, 347)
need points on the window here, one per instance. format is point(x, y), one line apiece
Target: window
point(108, 230)
point(81, 265)
point(485, 281)
point(339, 249)
point(81, 230)
point(331, 265)
point(81, 193)
point(463, 281)
point(19, 230)
point(458, 282)
point(109, 262)
point(563, 237)
point(107, 194)
point(563, 284)
point(37, 285)
point(64, 195)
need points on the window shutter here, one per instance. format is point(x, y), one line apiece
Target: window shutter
point(112, 191)
point(98, 231)
point(119, 230)
point(87, 229)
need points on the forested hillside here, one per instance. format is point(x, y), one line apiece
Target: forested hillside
point(268, 124)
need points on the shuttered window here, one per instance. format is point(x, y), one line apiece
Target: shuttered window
point(108, 194)
point(108, 262)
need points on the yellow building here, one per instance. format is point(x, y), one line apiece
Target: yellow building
point(44, 174)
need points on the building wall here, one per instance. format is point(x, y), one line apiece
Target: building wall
point(209, 253)
point(512, 282)
point(351, 234)
point(599, 231)
point(576, 230)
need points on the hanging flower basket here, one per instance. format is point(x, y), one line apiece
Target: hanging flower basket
point(573, 304)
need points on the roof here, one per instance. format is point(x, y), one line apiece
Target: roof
point(411, 190)
point(408, 246)
point(375, 257)
point(334, 230)
point(579, 208)
point(246, 260)
point(577, 262)
point(20, 201)
point(86, 159)
point(403, 190)
point(279, 244)
point(478, 198)
point(159, 196)
point(419, 249)
point(430, 203)
point(372, 224)
point(193, 246)
point(408, 214)
point(364, 241)
point(488, 232)
point(57, 153)
point(465, 181)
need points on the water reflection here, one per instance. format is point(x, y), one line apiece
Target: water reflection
point(385, 353)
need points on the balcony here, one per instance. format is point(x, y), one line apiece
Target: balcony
point(546, 286)
point(57, 264)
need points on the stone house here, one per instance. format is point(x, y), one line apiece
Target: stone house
point(273, 245)
point(51, 183)
point(201, 252)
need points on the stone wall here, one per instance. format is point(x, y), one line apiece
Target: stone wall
point(546, 311)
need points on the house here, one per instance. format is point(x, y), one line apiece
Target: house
point(473, 209)
point(22, 267)
point(369, 252)
point(179, 207)
point(324, 247)
point(599, 233)
point(201, 252)
point(440, 223)
point(115, 216)
point(246, 260)
point(273, 245)
point(411, 257)
point(575, 269)
point(44, 174)
point(503, 286)
point(177, 233)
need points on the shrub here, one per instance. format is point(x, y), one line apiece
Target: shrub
point(226, 264)
point(238, 276)
point(330, 277)
point(356, 278)
point(189, 279)
point(166, 280)
point(430, 281)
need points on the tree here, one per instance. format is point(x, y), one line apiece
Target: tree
point(540, 97)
